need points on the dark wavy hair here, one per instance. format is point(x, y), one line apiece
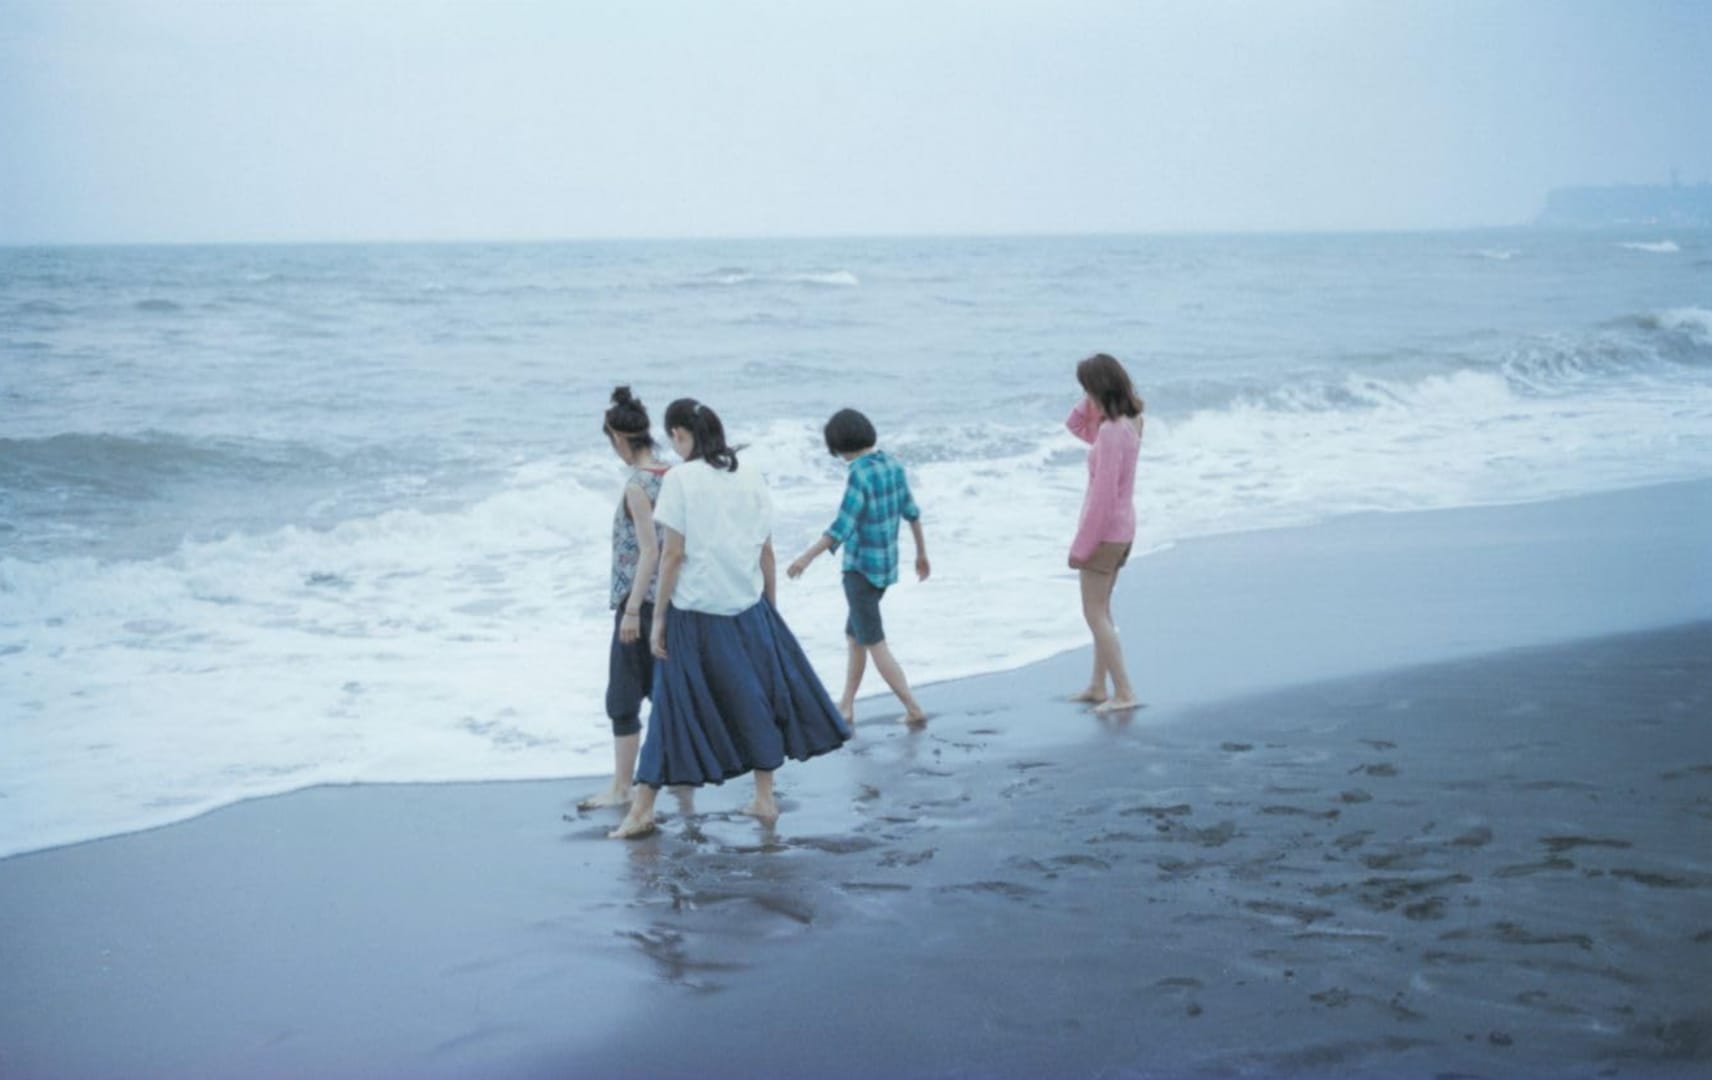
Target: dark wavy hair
point(705, 430)
point(628, 418)
point(1108, 383)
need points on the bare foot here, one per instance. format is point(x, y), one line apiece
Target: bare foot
point(915, 718)
point(1123, 704)
point(1094, 697)
point(632, 829)
point(849, 714)
point(609, 797)
point(764, 809)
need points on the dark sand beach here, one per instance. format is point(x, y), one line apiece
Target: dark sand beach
point(1415, 795)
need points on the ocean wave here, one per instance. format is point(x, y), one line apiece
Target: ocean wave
point(158, 306)
point(42, 307)
point(1695, 322)
point(728, 276)
point(1495, 254)
point(423, 644)
point(1656, 247)
point(835, 278)
point(134, 466)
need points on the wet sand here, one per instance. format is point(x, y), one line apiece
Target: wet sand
point(1416, 795)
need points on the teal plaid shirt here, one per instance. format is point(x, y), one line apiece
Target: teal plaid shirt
point(876, 496)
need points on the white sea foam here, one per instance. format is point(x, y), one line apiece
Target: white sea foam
point(839, 278)
point(1495, 254)
point(730, 275)
point(471, 643)
point(395, 572)
point(1656, 247)
point(1693, 321)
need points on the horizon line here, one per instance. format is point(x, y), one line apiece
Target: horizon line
point(628, 238)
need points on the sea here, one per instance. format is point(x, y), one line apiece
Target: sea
point(280, 516)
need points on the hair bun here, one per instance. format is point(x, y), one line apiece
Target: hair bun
point(621, 397)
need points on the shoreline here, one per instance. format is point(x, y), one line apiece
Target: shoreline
point(1192, 573)
point(1486, 855)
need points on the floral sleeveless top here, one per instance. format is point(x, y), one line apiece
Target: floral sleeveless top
point(626, 549)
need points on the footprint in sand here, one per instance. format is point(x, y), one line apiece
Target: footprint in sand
point(1176, 810)
point(1297, 811)
point(1664, 881)
point(1418, 896)
point(894, 859)
point(1681, 774)
point(835, 845)
point(874, 886)
point(1010, 890)
point(1514, 934)
point(1548, 866)
point(1302, 913)
point(1557, 845)
point(1383, 768)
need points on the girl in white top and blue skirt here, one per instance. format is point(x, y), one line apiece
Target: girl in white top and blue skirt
point(733, 692)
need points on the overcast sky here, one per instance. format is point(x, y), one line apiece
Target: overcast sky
point(200, 120)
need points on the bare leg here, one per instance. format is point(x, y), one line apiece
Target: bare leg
point(624, 748)
point(887, 665)
point(1108, 650)
point(640, 820)
point(763, 807)
point(686, 799)
point(854, 670)
point(1096, 610)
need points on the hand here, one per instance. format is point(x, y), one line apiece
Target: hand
point(922, 568)
point(1077, 564)
point(629, 627)
point(657, 639)
point(795, 570)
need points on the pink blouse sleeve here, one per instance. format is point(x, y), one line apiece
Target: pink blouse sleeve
point(1083, 423)
point(1105, 490)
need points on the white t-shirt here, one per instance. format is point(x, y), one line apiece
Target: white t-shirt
point(725, 518)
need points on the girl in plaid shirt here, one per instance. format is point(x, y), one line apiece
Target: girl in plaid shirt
point(876, 498)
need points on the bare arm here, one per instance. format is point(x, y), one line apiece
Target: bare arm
point(769, 573)
point(642, 513)
point(810, 553)
point(671, 561)
point(922, 567)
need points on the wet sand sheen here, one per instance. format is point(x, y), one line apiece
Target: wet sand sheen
point(1488, 865)
point(1395, 875)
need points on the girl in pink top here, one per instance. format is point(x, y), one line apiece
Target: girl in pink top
point(1109, 418)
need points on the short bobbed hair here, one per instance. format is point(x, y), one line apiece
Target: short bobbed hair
point(849, 432)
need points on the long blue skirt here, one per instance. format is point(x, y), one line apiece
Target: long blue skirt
point(734, 693)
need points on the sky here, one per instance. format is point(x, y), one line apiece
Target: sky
point(302, 120)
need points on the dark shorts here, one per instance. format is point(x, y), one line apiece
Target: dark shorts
point(864, 597)
point(629, 675)
point(1108, 558)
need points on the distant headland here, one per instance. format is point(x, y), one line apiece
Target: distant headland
point(1685, 205)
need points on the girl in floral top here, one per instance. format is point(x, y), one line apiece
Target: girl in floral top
point(635, 556)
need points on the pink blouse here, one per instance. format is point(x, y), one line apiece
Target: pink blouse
point(1108, 510)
